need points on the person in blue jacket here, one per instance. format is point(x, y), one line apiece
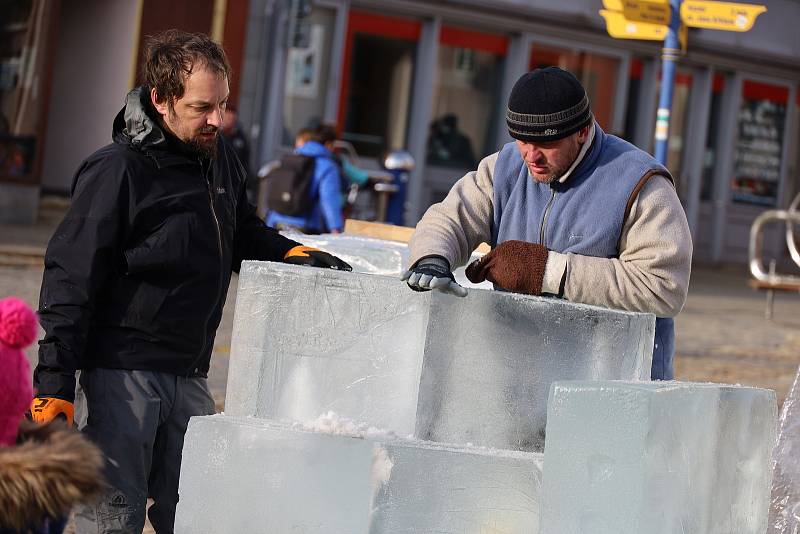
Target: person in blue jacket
point(326, 189)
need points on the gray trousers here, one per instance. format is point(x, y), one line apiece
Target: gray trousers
point(138, 419)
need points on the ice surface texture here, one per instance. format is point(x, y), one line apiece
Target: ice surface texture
point(374, 256)
point(458, 370)
point(251, 475)
point(784, 515)
point(306, 341)
point(658, 457)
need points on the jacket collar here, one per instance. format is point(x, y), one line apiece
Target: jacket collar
point(136, 127)
point(581, 155)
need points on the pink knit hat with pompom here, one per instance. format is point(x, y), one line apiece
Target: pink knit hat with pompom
point(18, 329)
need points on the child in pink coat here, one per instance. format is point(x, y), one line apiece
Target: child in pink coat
point(44, 469)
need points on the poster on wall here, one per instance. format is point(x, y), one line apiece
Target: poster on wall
point(757, 168)
point(303, 66)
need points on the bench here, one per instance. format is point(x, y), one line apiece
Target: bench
point(771, 288)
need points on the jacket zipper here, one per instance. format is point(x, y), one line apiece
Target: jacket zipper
point(209, 188)
point(544, 218)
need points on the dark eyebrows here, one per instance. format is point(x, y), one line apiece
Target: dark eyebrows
point(205, 104)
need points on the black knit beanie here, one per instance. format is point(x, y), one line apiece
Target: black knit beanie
point(547, 104)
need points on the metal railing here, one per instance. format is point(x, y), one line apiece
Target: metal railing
point(791, 218)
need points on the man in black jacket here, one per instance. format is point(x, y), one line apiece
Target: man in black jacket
point(137, 274)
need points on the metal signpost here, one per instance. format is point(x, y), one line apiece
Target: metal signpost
point(668, 21)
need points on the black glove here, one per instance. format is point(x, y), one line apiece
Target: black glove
point(303, 255)
point(433, 272)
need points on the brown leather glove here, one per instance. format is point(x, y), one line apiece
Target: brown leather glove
point(516, 266)
point(46, 409)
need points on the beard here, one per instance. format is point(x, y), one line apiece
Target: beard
point(205, 148)
point(558, 169)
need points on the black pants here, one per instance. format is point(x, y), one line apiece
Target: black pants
point(138, 419)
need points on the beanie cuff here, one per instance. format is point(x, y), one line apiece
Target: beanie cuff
point(548, 134)
point(550, 126)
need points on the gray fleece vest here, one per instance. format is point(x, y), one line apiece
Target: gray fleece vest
point(585, 215)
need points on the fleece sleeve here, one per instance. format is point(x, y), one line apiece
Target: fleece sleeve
point(456, 226)
point(652, 271)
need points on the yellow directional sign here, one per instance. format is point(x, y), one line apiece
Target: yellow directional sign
point(653, 11)
point(620, 27)
point(720, 15)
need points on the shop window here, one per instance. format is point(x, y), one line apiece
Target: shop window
point(794, 156)
point(597, 74)
point(465, 98)
point(710, 154)
point(24, 37)
point(376, 91)
point(307, 71)
point(757, 164)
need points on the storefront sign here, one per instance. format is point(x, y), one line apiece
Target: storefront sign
point(759, 149)
point(720, 15)
point(303, 66)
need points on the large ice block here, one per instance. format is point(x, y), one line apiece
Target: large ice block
point(460, 370)
point(306, 341)
point(658, 457)
point(374, 256)
point(251, 475)
point(490, 359)
point(784, 515)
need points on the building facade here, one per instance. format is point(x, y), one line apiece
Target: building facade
point(65, 68)
point(433, 78)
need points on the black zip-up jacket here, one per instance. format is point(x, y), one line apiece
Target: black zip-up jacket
point(137, 273)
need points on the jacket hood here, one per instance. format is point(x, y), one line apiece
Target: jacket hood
point(134, 125)
point(313, 148)
point(50, 470)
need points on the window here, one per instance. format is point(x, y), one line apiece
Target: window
point(757, 167)
point(376, 91)
point(23, 45)
point(465, 98)
point(710, 155)
point(597, 74)
point(307, 71)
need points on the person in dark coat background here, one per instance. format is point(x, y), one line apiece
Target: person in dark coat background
point(232, 131)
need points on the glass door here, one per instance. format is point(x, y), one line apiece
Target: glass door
point(376, 86)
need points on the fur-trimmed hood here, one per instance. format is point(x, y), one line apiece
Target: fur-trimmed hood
point(49, 470)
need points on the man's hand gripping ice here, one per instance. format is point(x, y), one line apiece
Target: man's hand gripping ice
point(433, 272)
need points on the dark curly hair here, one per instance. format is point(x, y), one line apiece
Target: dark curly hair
point(171, 56)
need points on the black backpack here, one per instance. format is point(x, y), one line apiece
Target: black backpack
point(289, 185)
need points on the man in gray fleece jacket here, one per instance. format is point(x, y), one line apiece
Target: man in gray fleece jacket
point(569, 211)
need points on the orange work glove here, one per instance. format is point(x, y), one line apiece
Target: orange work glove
point(46, 409)
point(303, 255)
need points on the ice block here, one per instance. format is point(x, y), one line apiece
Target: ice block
point(658, 457)
point(307, 340)
point(461, 370)
point(784, 516)
point(490, 359)
point(252, 475)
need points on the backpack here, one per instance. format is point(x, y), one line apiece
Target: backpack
point(289, 185)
